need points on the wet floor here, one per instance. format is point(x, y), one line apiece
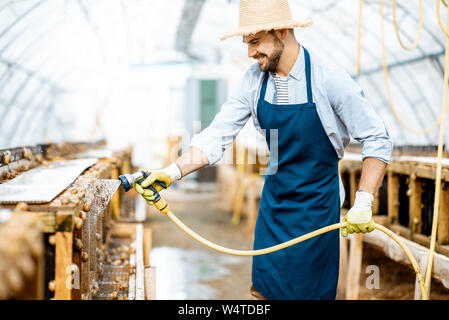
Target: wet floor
point(185, 269)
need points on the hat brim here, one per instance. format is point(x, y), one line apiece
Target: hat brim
point(251, 30)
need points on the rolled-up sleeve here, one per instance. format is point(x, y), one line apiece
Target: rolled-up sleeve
point(232, 117)
point(362, 122)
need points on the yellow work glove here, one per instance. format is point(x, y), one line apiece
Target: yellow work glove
point(359, 218)
point(166, 175)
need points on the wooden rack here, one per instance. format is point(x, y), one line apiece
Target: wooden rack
point(75, 253)
point(404, 204)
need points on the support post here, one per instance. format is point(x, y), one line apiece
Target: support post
point(354, 268)
point(62, 262)
point(415, 193)
point(393, 197)
point(63, 255)
point(443, 217)
point(150, 283)
point(343, 274)
point(147, 243)
point(252, 202)
point(353, 185)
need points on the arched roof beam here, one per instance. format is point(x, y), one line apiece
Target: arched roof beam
point(27, 12)
point(189, 18)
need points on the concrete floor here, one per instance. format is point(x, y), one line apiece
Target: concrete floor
point(186, 269)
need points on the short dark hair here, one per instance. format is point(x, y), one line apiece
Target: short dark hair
point(291, 30)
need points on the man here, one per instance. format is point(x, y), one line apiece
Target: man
point(314, 108)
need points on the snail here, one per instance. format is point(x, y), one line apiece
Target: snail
point(39, 158)
point(87, 205)
point(52, 239)
point(12, 173)
point(4, 175)
point(78, 223)
point(82, 214)
point(22, 206)
point(123, 248)
point(100, 268)
point(95, 288)
point(52, 286)
point(409, 192)
point(123, 255)
point(7, 157)
point(117, 262)
point(97, 236)
point(84, 256)
point(75, 200)
point(123, 286)
point(78, 244)
point(26, 153)
point(56, 203)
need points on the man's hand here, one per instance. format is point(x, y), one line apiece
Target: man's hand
point(167, 176)
point(359, 218)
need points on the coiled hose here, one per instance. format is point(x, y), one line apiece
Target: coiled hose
point(163, 207)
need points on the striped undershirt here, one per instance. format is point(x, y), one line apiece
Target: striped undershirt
point(281, 89)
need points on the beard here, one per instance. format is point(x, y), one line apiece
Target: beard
point(273, 59)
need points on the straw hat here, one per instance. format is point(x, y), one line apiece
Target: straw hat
point(259, 15)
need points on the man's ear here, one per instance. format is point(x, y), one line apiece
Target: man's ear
point(282, 33)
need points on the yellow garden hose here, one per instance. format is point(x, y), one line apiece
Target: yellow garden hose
point(164, 208)
point(436, 204)
point(387, 85)
point(439, 18)
point(420, 25)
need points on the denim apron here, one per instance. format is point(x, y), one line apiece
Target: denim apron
point(300, 195)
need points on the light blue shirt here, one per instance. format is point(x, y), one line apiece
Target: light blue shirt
point(341, 106)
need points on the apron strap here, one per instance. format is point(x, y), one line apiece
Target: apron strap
point(263, 90)
point(308, 76)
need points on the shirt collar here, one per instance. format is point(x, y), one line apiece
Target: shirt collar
point(298, 68)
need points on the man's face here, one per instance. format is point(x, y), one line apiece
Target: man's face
point(266, 48)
